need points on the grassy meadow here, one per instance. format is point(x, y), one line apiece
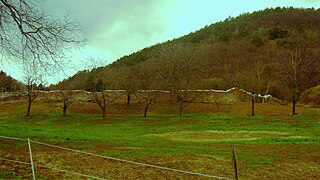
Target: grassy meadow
point(270, 145)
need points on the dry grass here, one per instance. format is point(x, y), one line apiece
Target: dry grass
point(222, 136)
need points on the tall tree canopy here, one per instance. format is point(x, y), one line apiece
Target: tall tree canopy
point(26, 31)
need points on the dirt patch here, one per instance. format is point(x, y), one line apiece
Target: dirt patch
point(184, 122)
point(221, 136)
point(289, 119)
point(155, 122)
point(104, 120)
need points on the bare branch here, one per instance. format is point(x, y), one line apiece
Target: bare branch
point(25, 32)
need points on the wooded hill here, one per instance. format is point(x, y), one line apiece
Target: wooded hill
point(272, 51)
point(7, 83)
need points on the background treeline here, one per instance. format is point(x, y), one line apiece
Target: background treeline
point(272, 51)
point(8, 84)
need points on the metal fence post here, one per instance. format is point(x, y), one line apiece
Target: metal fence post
point(30, 152)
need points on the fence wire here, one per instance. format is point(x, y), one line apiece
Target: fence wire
point(131, 162)
point(13, 138)
point(55, 169)
point(110, 158)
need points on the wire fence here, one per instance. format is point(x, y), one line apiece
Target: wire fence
point(96, 155)
point(55, 169)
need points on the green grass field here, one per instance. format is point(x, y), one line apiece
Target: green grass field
point(267, 146)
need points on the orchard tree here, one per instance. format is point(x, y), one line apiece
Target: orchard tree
point(26, 30)
point(32, 77)
point(301, 64)
point(67, 98)
point(96, 85)
point(149, 99)
point(128, 82)
point(62, 99)
point(179, 69)
point(254, 70)
point(261, 61)
point(147, 84)
point(97, 88)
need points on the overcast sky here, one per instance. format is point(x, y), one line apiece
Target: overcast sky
point(114, 28)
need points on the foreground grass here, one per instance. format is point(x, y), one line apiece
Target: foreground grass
point(195, 128)
point(267, 146)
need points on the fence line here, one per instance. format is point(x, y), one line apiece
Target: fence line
point(55, 169)
point(110, 158)
point(164, 91)
point(13, 138)
point(131, 162)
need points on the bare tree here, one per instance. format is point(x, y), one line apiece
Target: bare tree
point(32, 78)
point(128, 82)
point(97, 88)
point(96, 85)
point(179, 69)
point(147, 83)
point(150, 98)
point(67, 98)
point(257, 75)
point(62, 99)
point(301, 65)
point(26, 30)
point(130, 91)
point(216, 98)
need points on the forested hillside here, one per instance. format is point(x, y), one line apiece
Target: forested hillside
point(7, 83)
point(272, 51)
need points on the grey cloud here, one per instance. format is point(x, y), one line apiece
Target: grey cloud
point(113, 25)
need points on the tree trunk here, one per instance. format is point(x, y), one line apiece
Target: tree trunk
point(294, 88)
point(252, 105)
point(29, 106)
point(104, 113)
point(180, 108)
point(217, 105)
point(294, 97)
point(145, 111)
point(294, 108)
point(64, 111)
point(294, 102)
point(128, 99)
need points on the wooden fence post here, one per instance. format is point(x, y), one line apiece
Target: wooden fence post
point(252, 105)
point(234, 157)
